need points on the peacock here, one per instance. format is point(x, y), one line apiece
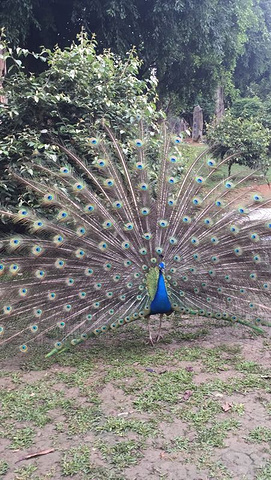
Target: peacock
point(128, 231)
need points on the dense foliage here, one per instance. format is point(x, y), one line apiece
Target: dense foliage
point(77, 89)
point(192, 45)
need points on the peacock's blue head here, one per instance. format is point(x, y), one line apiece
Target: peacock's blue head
point(161, 265)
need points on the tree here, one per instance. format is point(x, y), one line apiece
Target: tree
point(78, 88)
point(192, 45)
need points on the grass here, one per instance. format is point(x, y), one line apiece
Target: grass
point(104, 410)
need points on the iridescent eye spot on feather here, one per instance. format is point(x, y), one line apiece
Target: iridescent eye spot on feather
point(7, 309)
point(234, 229)
point(163, 223)
point(145, 268)
point(23, 213)
point(51, 296)
point(257, 198)
point(138, 143)
point(257, 259)
point(107, 224)
point(88, 272)
point(210, 162)
point(49, 198)
point(64, 171)
point(69, 281)
point(34, 328)
point(215, 259)
point(253, 276)
point(177, 258)
point(89, 208)
point(14, 268)
point(96, 305)
point(58, 240)
point(117, 204)
point(159, 250)
point(172, 180)
point(60, 324)
point(171, 202)
point(227, 278)
point(229, 185)
point(254, 237)
point(268, 225)
point(37, 225)
point(23, 348)
point(116, 277)
point(196, 201)
point(238, 251)
point(196, 256)
point(80, 253)
point(143, 186)
point(82, 294)
point(181, 293)
point(94, 141)
point(214, 240)
point(139, 166)
point(153, 260)
point(173, 241)
point(143, 251)
point(208, 222)
point(147, 236)
point(242, 210)
point(128, 226)
point(67, 307)
point(37, 312)
point(89, 317)
point(2, 330)
point(2, 268)
point(102, 246)
point(195, 241)
point(145, 211)
point(125, 245)
point(40, 274)
point(122, 297)
point(266, 286)
point(199, 180)
point(97, 286)
point(102, 163)
point(109, 294)
point(177, 140)
point(173, 159)
point(109, 182)
point(219, 203)
point(15, 242)
point(107, 266)
point(187, 219)
point(22, 292)
point(78, 187)
point(59, 263)
point(37, 250)
point(80, 231)
point(58, 345)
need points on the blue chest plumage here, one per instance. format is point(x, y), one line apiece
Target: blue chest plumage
point(161, 302)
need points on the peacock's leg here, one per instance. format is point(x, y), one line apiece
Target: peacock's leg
point(159, 335)
point(150, 341)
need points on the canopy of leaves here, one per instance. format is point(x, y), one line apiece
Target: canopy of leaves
point(192, 45)
point(245, 138)
point(78, 88)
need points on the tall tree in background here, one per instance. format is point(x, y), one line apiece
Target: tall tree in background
point(192, 45)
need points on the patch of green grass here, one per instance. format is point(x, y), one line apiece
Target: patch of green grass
point(265, 472)
point(21, 438)
point(76, 460)
point(178, 444)
point(214, 435)
point(83, 419)
point(203, 413)
point(260, 434)
point(120, 426)
point(25, 473)
point(121, 454)
point(3, 467)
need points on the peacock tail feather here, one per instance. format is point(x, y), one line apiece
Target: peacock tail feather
point(111, 243)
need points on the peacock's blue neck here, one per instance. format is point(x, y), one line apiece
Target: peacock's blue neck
point(161, 303)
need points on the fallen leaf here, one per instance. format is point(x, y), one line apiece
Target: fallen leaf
point(226, 407)
point(187, 395)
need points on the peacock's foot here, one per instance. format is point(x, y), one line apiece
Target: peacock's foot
point(152, 341)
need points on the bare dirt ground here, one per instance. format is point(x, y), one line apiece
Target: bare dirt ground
point(197, 406)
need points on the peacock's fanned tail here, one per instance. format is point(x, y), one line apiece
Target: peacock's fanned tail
point(90, 260)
